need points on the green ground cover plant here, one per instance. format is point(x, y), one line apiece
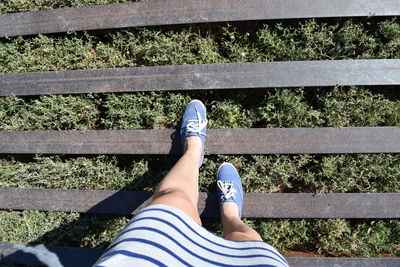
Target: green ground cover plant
point(219, 43)
point(303, 40)
point(311, 107)
point(260, 173)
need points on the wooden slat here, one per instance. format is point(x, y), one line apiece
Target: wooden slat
point(345, 262)
point(68, 256)
point(77, 257)
point(208, 76)
point(168, 12)
point(219, 141)
point(282, 205)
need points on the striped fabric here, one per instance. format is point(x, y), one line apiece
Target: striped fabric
point(162, 235)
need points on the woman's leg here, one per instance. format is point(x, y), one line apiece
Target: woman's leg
point(230, 194)
point(179, 188)
point(234, 227)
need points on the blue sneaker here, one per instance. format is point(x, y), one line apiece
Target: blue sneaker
point(229, 186)
point(194, 123)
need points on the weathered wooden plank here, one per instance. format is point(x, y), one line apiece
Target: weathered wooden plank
point(345, 262)
point(68, 256)
point(168, 12)
point(85, 201)
point(282, 205)
point(219, 141)
point(208, 76)
point(77, 257)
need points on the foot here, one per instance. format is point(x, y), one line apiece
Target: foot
point(194, 123)
point(229, 189)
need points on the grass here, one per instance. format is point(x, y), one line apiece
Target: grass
point(219, 43)
point(312, 107)
point(303, 40)
point(302, 173)
point(60, 228)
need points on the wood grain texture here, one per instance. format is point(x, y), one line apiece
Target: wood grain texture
point(68, 256)
point(282, 205)
point(207, 76)
point(169, 12)
point(345, 262)
point(219, 141)
point(83, 257)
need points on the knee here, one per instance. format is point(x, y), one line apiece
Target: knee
point(243, 236)
point(173, 193)
point(177, 199)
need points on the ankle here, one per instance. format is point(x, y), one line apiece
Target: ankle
point(193, 147)
point(229, 211)
point(193, 142)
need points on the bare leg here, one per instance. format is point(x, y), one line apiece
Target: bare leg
point(234, 228)
point(180, 187)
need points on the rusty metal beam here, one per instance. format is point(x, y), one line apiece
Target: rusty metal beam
point(278, 205)
point(220, 141)
point(82, 257)
point(208, 76)
point(169, 12)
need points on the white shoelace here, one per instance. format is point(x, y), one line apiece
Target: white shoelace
point(195, 126)
point(227, 189)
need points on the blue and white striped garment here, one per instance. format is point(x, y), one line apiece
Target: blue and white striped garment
point(161, 235)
